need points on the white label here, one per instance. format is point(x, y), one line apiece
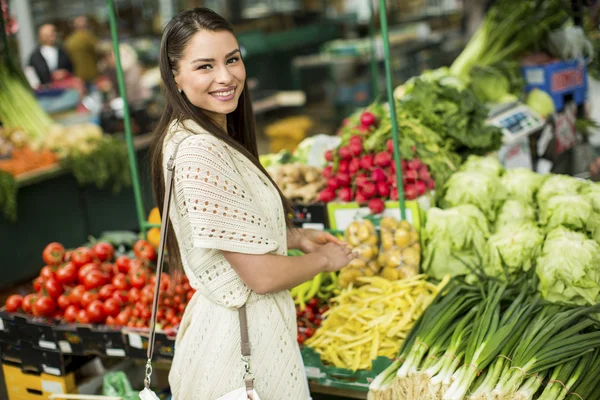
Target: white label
point(115, 352)
point(51, 370)
point(47, 345)
point(1, 324)
point(52, 387)
point(135, 340)
point(65, 347)
point(535, 76)
point(313, 372)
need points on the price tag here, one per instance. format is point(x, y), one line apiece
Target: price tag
point(51, 370)
point(47, 345)
point(65, 346)
point(313, 372)
point(52, 387)
point(115, 352)
point(135, 340)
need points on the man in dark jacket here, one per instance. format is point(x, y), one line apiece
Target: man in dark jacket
point(50, 62)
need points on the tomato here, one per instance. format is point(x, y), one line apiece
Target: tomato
point(136, 312)
point(313, 303)
point(53, 253)
point(186, 286)
point(131, 323)
point(14, 303)
point(160, 314)
point(169, 314)
point(94, 279)
point(28, 302)
point(300, 338)
point(309, 332)
point(44, 306)
point(179, 289)
point(168, 302)
point(108, 269)
point(54, 288)
point(189, 295)
point(137, 279)
point(86, 269)
point(112, 307)
point(144, 250)
point(87, 298)
point(95, 312)
point(309, 314)
point(47, 272)
point(133, 295)
point(138, 265)
point(103, 251)
point(175, 320)
point(67, 274)
point(122, 263)
point(82, 317)
point(82, 256)
point(177, 300)
point(147, 295)
point(38, 284)
point(181, 307)
point(123, 317)
point(121, 295)
point(71, 313)
point(63, 301)
point(76, 294)
point(106, 291)
point(120, 281)
point(140, 323)
point(67, 256)
point(165, 281)
point(146, 313)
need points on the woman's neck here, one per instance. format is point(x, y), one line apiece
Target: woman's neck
point(219, 119)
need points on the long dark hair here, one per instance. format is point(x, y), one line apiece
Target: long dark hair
point(240, 123)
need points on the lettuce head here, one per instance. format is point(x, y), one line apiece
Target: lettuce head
point(514, 212)
point(521, 184)
point(483, 190)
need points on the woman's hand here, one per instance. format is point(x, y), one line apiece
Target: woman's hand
point(336, 256)
point(312, 240)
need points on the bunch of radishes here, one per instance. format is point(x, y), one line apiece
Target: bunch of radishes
point(370, 177)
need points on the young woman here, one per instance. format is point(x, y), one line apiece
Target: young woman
point(230, 230)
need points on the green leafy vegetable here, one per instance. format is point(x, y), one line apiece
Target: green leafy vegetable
point(540, 102)
point(521, 184)
point(514, 212)
point(487, 165)
point(570, 210)
point(489, 84)
point(476, 188)
point(558, 184)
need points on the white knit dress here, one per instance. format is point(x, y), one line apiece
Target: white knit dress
point(221, 201)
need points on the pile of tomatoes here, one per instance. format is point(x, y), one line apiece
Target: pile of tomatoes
point(90, 285)
point(309, 318)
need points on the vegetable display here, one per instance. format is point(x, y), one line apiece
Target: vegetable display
point(299, 183)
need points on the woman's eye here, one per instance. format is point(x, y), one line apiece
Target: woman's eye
point(205, 66)
point(233, 60)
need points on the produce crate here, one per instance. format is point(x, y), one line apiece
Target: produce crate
point(339, 377)
point(310, 216)
point(558, 79)
point(136, 342)
point(34, 330)
point(22, 385)
point(9, 330)
point(31, 358)
point(98, 340)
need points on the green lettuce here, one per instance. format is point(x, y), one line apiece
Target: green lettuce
point(521, 184)
point(477, 188)
point(569, 268)
point(514, 212)
point(571, 210)
point(557, 184)
point(488, 165)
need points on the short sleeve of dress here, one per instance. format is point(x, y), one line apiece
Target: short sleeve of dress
point(213, 193)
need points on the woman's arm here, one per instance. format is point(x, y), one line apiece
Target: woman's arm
point(310, 240)
point(270, 273)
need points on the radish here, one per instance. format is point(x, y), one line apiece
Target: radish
point(333, 183)
point(367, 119)
point(414, 164)
point(326, 195)
point(345, 194)
point(410, 176)
point(360, 197)
point(356, 148)
point(376, 206)
point(383, 159)
point(343, 179)
point(410, 192)
point(346, 122)
point(404, 165)
point(430, 184)
point(327, 171)
point(366, 162)
point(391, 179)
point(356, 139)
point(353, 166)
point(361, 179)
point(363, 130)
point(421, 187)
point(424, 174)
point(343, 167)
point(389, 145)
point(329, 155)
point(344, 153)
point(378, 175)
point(383, 189)
point(368, 189)
point(394, 193)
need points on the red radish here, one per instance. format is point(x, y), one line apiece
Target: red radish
point(360, 197)
point(356, 139)
point(376, 206)
point(391, 179)
point(394, 193)
point(346, 122)
point(368, 189)
point(404, 165)
point(326, 195)
point(329, 155)
point(410, 192)
point(366, 162)
point(383, 159)
point(361, 180)
point(353, 166)
point(363, 129)
point(424, 174)
point(328, 171)
point(410, 176)
point(389, 145)
point(333, 183)
point(421, 187)
point(344, 153)
point(430, 184)
point(345, 194)
point(414, 164)
point(367, 119)
point(383, 189)
point(355, 148)
point(343, 179)
point(392, 168)
point(378, 175)
point(343, 167)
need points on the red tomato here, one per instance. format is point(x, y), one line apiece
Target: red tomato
point(110, 321)
point(108, 269)
point(86, 269)
point(103, 251)
point(177, 300)
point(28, 302)
point(122, 263)
point(95, 312)
point(121, 295)
point(175, 320)
point(313, 303)
point(136, 312)
point(63, 301)
point(112, 307)
point(179, 289)
point(82, 256)
point(54, 288)
point(146, 313)
point(138, 265)
point(165, 281)
point(67, 274)
point(186, 286)
point(189, 295)
point(147, 295)
point(160, 314)
point(169, 314)
point(53, 253)
point(123, 317)
point(300, 338)
point(309, 332)
point(71, 313)
point(38, 284)
point(140, 323)
point(94, 279)
point(14, 303)
point(168, 302)
point(87, 298)
point(44, 306)
point(82, 317)
point(144, 250)
point(76, 294)
point(47, 272)
point(137, 279)
point(134, 295)
point(106, 291)
point(181, 307)
point(67, 256)
point(120, 281)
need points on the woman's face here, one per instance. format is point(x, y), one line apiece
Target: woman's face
point(211, 72)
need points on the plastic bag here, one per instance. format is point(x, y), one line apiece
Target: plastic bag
point(362, 237)
point(117, 384)
point(400, 252)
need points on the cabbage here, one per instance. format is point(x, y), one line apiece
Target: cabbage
point(540, 102)
point(488, 165)
point(489, 84)
point(570, 210)
point(521, 184)
point(452, 238)
point(591, 191)
point(518, 245)
point(569, 268)
point(558, 184)
point(514, 212)
point(477, 188)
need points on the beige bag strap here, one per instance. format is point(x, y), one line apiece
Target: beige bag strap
point(245, 342)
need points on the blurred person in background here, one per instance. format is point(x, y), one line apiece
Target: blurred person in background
point(81, 47)
point(50, 61)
